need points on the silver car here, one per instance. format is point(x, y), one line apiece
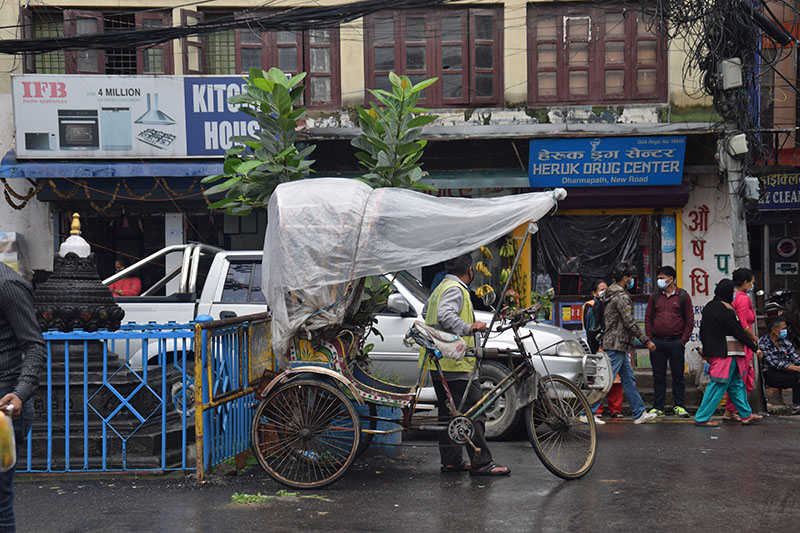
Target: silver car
point(563, 354)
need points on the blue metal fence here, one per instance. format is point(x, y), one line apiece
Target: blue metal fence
point(234, 354)
point(102, 407)
point(125, 400)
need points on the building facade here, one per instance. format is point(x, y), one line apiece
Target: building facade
point(124, 136)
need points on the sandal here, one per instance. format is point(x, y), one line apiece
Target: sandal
point(734, 418)
point(489, 470)
point(752, 419)
point(707, 423)
point(795, 411)
point(463, 466)
point(617, 415)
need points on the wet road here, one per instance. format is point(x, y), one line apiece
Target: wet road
point(660, 476)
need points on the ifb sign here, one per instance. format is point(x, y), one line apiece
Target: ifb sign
point(606, 161)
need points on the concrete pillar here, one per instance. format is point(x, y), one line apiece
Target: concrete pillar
point(173, 234)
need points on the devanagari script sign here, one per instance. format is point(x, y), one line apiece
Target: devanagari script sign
point(606, 161)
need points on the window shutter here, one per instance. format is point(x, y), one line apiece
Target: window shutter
point(156, 59)
point(26, 21)
point(76, 23)
point(486, 55)
point(193, 45)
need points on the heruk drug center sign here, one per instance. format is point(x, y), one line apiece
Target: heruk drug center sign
point(606, 161)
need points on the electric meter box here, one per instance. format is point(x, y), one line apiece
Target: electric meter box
point(750, 191)
point(737, 144)
point(730, 73)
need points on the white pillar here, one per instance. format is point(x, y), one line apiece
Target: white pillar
point(173, 234)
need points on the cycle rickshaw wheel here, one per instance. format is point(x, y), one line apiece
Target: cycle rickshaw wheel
point(566, 446)
point(305, 434)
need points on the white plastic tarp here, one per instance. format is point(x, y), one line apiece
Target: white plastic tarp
point(323, 233)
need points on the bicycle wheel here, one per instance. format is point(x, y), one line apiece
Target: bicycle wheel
point(566, 446)
point(305, 434)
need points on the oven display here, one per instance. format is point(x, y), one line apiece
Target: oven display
point(78, 129)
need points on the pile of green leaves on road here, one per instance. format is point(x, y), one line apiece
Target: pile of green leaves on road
point(245, 499)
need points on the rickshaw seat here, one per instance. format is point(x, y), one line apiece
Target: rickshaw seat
point(363, 378)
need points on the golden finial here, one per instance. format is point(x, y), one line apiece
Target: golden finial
point(75, 228)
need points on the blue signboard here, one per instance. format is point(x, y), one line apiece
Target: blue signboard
point(781, 192)
point(668, 234)
point(606, 161)
point(210, 119)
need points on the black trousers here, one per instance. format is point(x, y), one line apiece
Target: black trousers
point(668, 352)
point(450, 451)
point(783, 379)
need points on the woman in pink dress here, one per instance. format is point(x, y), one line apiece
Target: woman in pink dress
point(744, 280)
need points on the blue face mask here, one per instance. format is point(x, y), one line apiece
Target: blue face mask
point(750, 290)
point(662, 283)
point(630, 284)
point(783, 334)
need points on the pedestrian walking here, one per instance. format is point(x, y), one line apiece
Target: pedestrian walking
point(619, 334)
point(591, 323)
point(449, 308)
point(22, 360)
point(743, 281)
point(725, 369)
point(781, 362)
point(668, 321)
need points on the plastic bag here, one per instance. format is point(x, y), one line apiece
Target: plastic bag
point(8, 445)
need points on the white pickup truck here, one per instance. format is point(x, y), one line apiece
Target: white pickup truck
point(224, 284)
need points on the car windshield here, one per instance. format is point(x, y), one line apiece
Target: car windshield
point(414, 285)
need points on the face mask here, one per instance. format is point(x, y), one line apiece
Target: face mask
point(601, 293)
point(783, 334)
point(750, 290)
point(662, 283)
point(630, 284)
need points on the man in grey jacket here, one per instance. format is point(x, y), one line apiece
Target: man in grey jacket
point(23, 357)
point(619, 334)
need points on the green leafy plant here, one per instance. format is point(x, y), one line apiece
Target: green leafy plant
point(390, 147)
point(258, 163)
point(544, 301)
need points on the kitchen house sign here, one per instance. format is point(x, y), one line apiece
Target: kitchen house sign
point(100, 117)
point(606, 161)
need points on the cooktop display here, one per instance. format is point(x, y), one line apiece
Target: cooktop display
point(159, 139)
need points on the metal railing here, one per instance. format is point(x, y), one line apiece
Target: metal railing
point(100, 409)
point(234, 354)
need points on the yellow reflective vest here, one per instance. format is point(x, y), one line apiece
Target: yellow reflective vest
point(467, 314)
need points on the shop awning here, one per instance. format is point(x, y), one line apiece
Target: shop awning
point(10, 167)
point(460, 183)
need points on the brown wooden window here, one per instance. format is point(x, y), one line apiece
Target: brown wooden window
point(579, 53)
point(155, 59)
point(461, 46)
point(315, 52)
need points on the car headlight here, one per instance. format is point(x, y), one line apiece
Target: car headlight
point(569, 349)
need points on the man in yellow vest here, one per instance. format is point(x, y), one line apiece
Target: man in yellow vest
point(449, 308)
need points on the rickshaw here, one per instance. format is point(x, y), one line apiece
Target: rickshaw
point(319, 412)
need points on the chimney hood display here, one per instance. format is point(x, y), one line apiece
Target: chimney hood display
point(154, 115)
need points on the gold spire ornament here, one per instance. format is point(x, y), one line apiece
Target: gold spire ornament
point(75, 228)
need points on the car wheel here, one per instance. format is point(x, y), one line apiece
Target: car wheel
point(502, 416)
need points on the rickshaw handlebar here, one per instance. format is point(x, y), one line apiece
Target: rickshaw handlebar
point(519, 318)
